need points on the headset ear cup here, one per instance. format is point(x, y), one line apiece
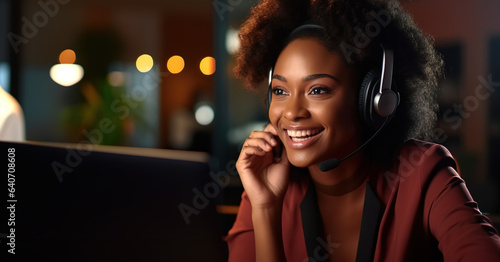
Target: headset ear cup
point(367, 91)
point(364, 103)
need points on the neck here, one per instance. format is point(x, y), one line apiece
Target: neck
point(347, 177)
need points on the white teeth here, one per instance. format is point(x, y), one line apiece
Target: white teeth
point(302, 134)
point(296, 139)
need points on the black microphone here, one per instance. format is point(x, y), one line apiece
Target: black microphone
point(330, 164)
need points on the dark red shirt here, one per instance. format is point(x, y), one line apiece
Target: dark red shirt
point(420, 210)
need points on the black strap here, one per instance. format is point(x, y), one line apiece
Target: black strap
point(311, 224)
point(372, 211)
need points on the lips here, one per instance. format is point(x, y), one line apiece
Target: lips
point(301, 138)
point(303, 135)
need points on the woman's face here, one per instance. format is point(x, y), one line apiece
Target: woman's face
point(314, 103)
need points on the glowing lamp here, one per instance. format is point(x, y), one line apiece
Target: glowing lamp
point(66, 73)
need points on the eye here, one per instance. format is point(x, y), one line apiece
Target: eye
point(278, 91)
point(320, 90)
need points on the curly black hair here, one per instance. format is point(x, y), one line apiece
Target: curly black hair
point(355, 29)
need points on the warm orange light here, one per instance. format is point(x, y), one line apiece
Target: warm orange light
point(67, 56)
point(175, 64)
point(207, 65)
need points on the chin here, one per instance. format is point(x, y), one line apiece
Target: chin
point(301, 162)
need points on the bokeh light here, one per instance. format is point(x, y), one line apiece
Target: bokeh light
point(66, 74)
point(67, 56)
point(144, 63)
point(175, 64)
point(207, 65)
point(204, 114)
point(116, 78)
point(232, 41)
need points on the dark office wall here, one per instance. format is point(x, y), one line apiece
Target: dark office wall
point(4, 29)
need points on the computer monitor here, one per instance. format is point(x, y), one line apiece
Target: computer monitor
point(81, 202)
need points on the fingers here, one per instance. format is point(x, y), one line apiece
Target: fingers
point(263, 138)
point(259, 143)
point(278, 148)
point(270, 128)
point(277, 153)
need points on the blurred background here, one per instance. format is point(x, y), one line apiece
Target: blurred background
point(158, 74)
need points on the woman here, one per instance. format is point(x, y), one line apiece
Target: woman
point(307, 198)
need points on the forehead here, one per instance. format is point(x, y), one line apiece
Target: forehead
point(309, 56)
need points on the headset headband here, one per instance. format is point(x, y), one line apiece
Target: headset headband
point(303, 28)
point(387, 68)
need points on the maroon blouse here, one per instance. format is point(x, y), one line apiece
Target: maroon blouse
point(420, 210)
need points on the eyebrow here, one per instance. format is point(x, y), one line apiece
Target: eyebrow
point(307, 78)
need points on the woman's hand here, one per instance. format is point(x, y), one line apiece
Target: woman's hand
point(264, 175)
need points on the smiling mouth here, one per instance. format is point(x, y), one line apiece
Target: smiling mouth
point(303, 135)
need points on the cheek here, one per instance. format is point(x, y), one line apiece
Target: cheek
point(351, 127)
point(349, 107)
point(342, 117)
point(274, 114)
point(350, 114)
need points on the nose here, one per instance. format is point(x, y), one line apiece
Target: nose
point(296, 108)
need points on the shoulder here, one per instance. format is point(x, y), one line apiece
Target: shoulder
point(420, 155)
point(415, 166)
point(423, 158)
point(414, 148)
point(427, 202)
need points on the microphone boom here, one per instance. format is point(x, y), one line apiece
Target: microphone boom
point(332, 163)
